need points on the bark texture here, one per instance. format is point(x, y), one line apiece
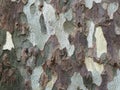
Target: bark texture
point(59, 44)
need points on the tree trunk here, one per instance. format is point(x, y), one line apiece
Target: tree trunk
point(59, 44)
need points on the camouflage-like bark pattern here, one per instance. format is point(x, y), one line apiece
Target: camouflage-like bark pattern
point(59, 44)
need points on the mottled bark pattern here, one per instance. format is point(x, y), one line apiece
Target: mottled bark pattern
point(60, 44)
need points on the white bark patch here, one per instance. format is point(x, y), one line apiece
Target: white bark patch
point(9, 43)
point(91, 27)
point(96, 70)
point(62, 35)
point(115, 84)
point(36, 37)
point(76, 82)
point(50, 18)
point(69, 15)
point(89, 3)
point(35, 78)
point(53, 24)
point(112, 8)
point(100, 42)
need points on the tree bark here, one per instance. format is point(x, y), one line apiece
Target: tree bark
point(59, 44)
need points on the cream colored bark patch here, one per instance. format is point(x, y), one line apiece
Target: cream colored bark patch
point(96, 70)
point(9, 43)
point(117, 29)
point(105, 6)
point(115, 84)
point(76, 82)
point(13, 0)
point(100, 42)
point(119, 54)
point(51, 83)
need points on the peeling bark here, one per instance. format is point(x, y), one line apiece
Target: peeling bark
point(59, 44)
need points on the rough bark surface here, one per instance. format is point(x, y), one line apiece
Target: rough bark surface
point(59, 44)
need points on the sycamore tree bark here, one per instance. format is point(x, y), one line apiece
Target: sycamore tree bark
point(59, 44)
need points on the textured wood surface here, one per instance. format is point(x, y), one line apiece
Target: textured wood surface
point(59, 44)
